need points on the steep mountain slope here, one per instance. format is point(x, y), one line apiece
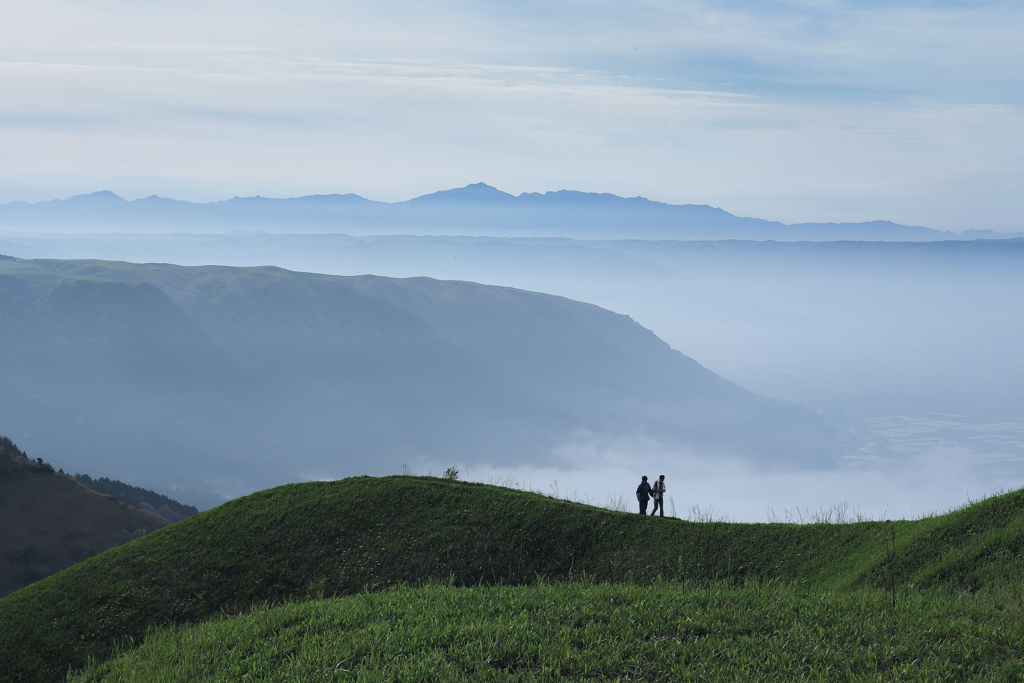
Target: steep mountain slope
point(326, 538)
point(595, 361)
point(240, 378)
point(50, 521)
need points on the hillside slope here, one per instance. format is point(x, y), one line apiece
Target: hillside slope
point(235, 379)
point(50, 521)
point(136, 496)
point(581, 631)
point(317, 539)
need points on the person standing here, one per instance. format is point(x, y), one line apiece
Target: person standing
point(643, 494)
point(658, 493)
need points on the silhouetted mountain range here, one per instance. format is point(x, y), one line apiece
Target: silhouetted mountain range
point(232, 379)
point(476, 209)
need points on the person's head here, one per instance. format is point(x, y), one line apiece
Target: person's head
point(643, 478)
point(661, 478)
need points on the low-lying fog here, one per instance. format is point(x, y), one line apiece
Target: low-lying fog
point(916, 347)
point(932, 480)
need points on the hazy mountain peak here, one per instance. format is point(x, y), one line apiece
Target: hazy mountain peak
point(474, 192)
point(104, 196)
point(332, 198)
point(577, 195)
point(605, 199)
point(155, 200)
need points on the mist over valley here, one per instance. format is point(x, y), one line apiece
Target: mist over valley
point(904, 354)
point(232, 379)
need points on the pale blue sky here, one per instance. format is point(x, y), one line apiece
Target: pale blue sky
point(793, 111)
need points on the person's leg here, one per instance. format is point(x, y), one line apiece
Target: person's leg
point(662, 506)
point(643, 507)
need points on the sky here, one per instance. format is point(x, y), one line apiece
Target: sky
point(808, 110)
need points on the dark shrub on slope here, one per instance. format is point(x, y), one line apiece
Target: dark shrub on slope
point(158, 504)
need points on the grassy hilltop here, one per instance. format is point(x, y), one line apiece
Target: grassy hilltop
point(318, 540)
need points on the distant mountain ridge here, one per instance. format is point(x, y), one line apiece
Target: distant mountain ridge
point(477, 209)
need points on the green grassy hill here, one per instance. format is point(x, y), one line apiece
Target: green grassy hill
point(335, 538)
point(583, 631)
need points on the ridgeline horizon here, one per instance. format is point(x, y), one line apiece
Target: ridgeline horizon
point(475, 209)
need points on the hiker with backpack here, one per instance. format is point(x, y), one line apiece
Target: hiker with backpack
point(643, 494)
point(658, 493)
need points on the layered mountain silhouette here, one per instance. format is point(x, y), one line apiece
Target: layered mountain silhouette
point(476, 209)
point(233, 379)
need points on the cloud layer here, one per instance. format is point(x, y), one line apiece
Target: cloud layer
point(605, 472)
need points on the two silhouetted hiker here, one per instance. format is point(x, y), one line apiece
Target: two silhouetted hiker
point(658, 493)
point(643, 494)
